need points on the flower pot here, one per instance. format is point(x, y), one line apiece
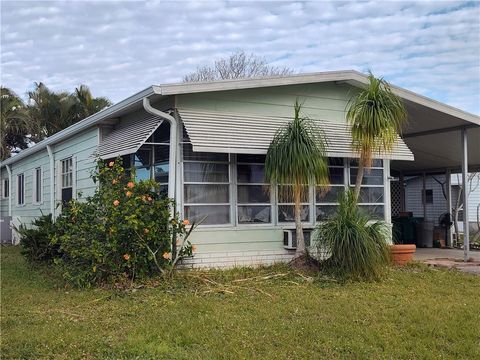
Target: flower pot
point(402, 253)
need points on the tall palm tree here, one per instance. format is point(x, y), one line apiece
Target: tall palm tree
point(296, 156)
point(376, 116)
point(14, 124)
point(55, 111)
point(86, 104)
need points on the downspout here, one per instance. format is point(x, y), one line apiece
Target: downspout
point(9, 171)
point(172, 161)
point(52, 180)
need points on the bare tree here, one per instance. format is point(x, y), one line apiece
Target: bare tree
point(473, 183)
point(239, 65)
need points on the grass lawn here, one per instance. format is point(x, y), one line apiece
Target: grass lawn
point(415, 313)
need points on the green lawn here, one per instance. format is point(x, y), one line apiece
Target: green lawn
point(415, 313)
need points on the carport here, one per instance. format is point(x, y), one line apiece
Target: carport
point(444, 140)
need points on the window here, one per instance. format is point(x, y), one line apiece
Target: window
point(253, 192)
point(37, 186)
point(5, 189)
point(371, 198)
point(66, 180)
point(428, 196)
point(286, 204)
point(206, 181)
point(20, 189)
point(326, 200)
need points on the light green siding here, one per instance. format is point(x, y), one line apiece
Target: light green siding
point(321, 101)
point(27, 212)
point(3, 200)
point(82, 146)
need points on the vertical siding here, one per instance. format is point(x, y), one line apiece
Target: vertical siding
point(83, 146)
point(27, 212)
point(473, 198)
point(3, 201)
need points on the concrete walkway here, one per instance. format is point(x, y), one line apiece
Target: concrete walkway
point(449, 258)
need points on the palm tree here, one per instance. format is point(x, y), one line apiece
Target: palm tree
point(54, 111)
point(296, 156)
point(86, 104)
point(376, 116)
point(14, 124)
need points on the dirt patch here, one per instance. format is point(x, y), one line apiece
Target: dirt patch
point(305, 264)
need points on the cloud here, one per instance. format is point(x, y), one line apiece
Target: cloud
point(118, 48)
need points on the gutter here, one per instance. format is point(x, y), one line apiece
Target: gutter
point(81, 125)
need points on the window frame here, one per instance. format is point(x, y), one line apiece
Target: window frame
point(351, 185)
point(345, 161)
point(18, 203)
point(37, 188)
point(236, 203)
point(5, 188)
point(229, 162)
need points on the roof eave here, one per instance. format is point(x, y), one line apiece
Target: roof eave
point(81, 125)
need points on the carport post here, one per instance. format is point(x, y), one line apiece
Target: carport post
point(466, 230)
point(448, 191)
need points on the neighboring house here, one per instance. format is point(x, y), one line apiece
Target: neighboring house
point(435, 198)
point(220, 135)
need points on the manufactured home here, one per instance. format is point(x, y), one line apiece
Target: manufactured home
point(206, 144)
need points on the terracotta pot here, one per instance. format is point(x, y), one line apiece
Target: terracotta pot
point(402, 253)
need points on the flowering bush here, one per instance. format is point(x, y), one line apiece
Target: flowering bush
point(124, 231)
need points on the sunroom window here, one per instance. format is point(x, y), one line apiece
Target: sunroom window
point(206, 181)
point(286, 204)
point(326, 200)
point(253, 192)
point(371, 197)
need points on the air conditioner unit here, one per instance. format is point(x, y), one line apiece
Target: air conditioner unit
point(290, 238)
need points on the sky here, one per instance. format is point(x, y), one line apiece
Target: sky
point(119, 48)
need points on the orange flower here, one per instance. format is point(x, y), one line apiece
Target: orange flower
point(126, 257)
point(186, 222)
point(114, 181)
point(149, 198)
point(130, 185)
point(194, 248)
point(111, 163)
point(128, 193)
point(146, 231)
point(167, 256)
point(116, 203)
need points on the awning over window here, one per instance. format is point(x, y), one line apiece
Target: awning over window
point(128, 136)
point(252, 134)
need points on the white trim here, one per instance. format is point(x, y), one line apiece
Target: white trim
point(34, 186)
point(3, 197)
point(17, 193)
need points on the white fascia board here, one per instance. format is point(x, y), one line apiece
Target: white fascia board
point(81, 125)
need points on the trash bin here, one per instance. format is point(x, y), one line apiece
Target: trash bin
point(425, 235)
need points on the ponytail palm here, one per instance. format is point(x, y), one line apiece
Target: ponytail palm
point(376, 116)
point(296, 156)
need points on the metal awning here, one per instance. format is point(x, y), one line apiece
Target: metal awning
point(252, 134)
point(129, 135)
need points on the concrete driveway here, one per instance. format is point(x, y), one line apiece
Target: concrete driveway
point(449, 258)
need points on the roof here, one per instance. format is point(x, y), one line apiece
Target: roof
point(354, 78)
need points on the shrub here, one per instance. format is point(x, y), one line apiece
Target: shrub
point(123, 232)
point(35, 240)
point(357, 249)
